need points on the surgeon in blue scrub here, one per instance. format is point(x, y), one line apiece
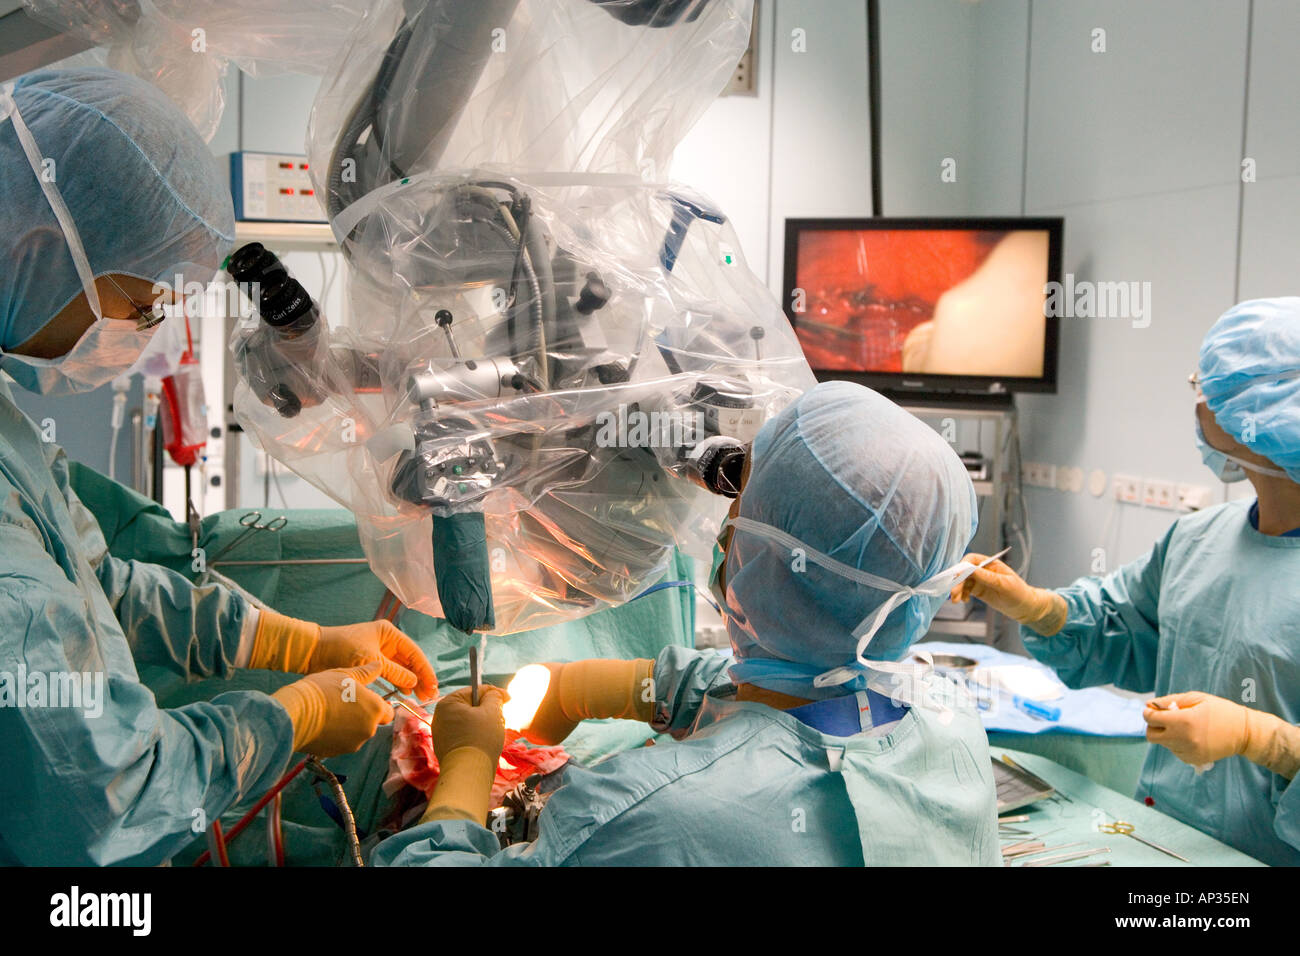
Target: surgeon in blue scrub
point(106, 189)
point(1209, 619)
point(820, 742)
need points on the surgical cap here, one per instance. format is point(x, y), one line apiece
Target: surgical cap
point(854, 476)
point(143, 190)
point(1250, 375)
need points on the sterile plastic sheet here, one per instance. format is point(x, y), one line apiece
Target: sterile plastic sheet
point(544, 330)
point(579, 472)
point(184, 47)
point(593, 86)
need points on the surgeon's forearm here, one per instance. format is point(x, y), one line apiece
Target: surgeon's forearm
point(464, 787)
point(1052, 616)
point(192, 630)
point(283, 643)
point(682, 677)
point(603, 689)
point(1272, 743)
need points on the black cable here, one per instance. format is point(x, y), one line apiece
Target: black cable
point(157, 470)
point(535, 249)
point(523, 262)
point(873, 98)
point(362, 118)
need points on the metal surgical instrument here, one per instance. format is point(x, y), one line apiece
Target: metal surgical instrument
point(251, 523)
point(1126, 829)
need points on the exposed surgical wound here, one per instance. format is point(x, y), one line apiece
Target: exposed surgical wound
point(412, 760)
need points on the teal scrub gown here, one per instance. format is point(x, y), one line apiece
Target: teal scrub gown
point(749, 785)
point(1214, 607)
point(134, 783)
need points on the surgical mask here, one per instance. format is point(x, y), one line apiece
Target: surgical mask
point(904, 680)
point(1229, 468)
point(106, 350)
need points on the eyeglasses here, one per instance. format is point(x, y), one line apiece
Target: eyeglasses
point(146, 316)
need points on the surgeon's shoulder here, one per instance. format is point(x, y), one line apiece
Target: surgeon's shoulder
point(588, 801)
point(1220, 517)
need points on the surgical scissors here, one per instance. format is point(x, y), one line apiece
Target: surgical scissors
point(398, 701)
point(1126, 829)
point(251, 523)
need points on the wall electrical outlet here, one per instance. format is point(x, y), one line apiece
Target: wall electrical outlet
point(1194, 497)
point(1127, 488)
point(744, 79)
point(1157, 493)
point(1038, 474)
point(1069, 479)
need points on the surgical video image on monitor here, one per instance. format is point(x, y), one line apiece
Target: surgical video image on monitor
point(921, 301)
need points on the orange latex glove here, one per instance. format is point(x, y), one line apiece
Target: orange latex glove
point(468, 741)
point(404, 664)
point(301, 647)
point(1202, 728)
point(334, 712)
point(998, 586)
point(592, 689)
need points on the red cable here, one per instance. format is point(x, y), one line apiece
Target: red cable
point(247, 818)
point(218, 841)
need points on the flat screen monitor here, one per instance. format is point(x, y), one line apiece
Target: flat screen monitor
point(926, 306)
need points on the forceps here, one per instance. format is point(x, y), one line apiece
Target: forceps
point(1126, 829)
point(251, 523)
point(400, 702)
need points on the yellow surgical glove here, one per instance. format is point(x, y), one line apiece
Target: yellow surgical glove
point(404, 664)
point(594, 689)
point(998, 586)
point(468, 741)
point(334, 712)
point(1204, 728)
point(301, 647)
point(283, 643)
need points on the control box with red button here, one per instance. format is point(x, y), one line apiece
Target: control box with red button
point(273, 187)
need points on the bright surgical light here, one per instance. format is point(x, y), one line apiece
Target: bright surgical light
point(526, 690)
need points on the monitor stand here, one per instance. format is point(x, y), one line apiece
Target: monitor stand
point(1002, 514)
point(1000, 402)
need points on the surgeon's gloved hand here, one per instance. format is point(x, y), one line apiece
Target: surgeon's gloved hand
point(592, 690)
point(404, 664)
point(1200, 728)
point(301, 647)
point(334, 712)
point(998, 586)
point(283, 643)
point(468, 741)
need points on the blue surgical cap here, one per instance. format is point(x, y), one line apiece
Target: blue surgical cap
point(854, 476)
point(143, 190)
point(1249, 372)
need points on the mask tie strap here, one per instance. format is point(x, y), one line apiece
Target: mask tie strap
point(9, 108)
point(940, 583)
point(812, 554)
